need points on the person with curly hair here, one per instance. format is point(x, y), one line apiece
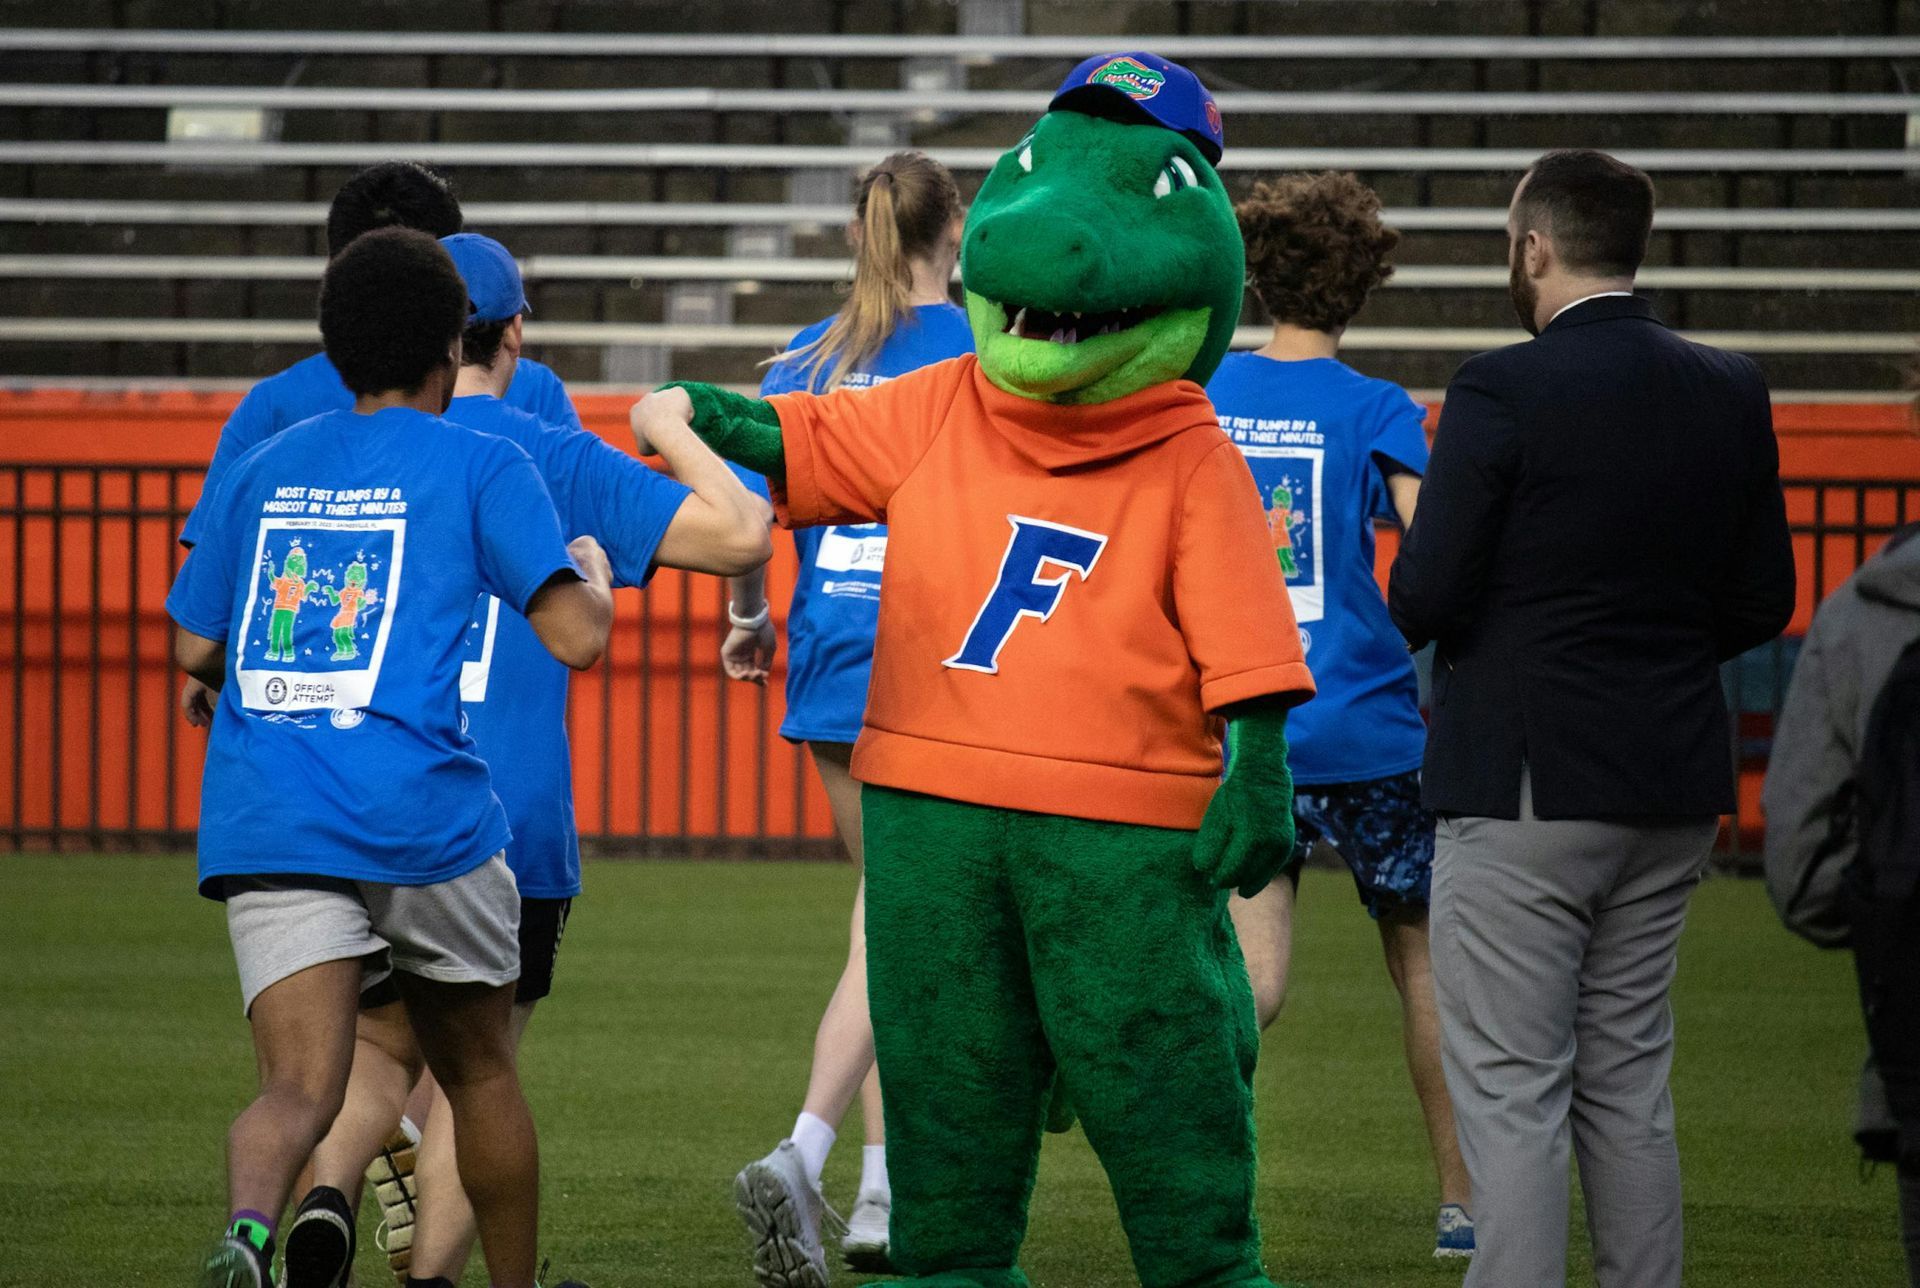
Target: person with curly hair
point(1332, 450)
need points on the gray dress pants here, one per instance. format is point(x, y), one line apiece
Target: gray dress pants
point(1553, 947)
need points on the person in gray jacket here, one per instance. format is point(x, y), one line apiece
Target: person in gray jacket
point(1812, 800)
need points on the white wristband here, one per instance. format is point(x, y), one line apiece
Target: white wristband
point(753, 623)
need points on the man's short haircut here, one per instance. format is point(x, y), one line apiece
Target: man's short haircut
point(402, 193)
point(1597, 210)
point(391, 307)
point(1315, 247)
point(480, 343)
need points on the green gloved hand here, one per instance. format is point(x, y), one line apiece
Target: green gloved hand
point(1247, 836)
point(740, 429)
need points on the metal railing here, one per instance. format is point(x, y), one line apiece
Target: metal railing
point(767, 338)
point(820, 269)
point(669, 757)
point(721, 214)
point(972, 48)
point(789, 157)
point(1837, 525)
point(911, 102)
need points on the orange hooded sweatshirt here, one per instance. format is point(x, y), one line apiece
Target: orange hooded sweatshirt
point(1070, 593)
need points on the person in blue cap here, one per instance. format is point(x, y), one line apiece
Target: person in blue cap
point(513, 701)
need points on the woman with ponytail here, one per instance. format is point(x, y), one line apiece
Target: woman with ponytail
point(899, 316)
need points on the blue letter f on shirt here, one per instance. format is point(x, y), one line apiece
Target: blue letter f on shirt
point(1022, 590)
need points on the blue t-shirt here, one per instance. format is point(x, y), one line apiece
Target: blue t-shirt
point(339, 563)
point(522, 732)
point(836, 599)
point(1321, 439)
point(311, 386)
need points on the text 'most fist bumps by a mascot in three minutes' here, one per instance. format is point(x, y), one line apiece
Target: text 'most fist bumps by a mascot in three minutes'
point(1079, 588)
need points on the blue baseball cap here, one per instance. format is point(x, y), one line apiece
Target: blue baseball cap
point(494, 290)
point(1144, 88)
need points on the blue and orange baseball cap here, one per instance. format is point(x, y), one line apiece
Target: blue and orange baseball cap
point(494, 289)
point(1145, 88)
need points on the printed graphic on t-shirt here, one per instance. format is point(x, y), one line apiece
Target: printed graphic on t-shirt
point(856, 551)
point(1288, 458)
point(476, 659)
point(322, 600)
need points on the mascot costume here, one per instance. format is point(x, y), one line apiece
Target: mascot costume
point(1080, 594)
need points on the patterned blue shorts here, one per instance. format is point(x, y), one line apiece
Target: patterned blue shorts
point(1380, 829)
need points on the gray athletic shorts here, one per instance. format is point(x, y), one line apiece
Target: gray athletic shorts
point(463, 931)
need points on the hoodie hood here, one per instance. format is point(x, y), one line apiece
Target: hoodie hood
point(1058, 436)
point(1893, 575)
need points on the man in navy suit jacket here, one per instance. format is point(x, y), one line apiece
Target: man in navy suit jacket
point(1601, 526)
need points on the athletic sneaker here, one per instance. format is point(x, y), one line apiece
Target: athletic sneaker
point(784, 1211)
point(237, 1263)
point(319, 1246)
point(865, 1247)
point(391, 1175)
point(1453, 1232)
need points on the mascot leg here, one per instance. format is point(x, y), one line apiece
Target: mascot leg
point(1145, 1003)
point(964, 1066)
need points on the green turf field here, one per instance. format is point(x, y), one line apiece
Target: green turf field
point(676, 1045)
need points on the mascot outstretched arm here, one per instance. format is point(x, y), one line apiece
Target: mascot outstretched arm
point(1080, 593)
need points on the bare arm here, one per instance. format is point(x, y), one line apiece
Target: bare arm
point(1404, 489)
point(722, 528)
point(573, 618)
point(747, 652)
point(203, 659)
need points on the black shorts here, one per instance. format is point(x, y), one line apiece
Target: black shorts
point(543, 922)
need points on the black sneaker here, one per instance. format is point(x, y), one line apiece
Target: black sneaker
point(320, 1242)
point(236, 1262)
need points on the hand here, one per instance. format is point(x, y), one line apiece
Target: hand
point(196, 703)
point(592, 561)
point(1247, 836)
point(748, 654)
point(666, 407)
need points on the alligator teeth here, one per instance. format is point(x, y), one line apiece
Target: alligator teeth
point(1019, 320)
point(1057, 337)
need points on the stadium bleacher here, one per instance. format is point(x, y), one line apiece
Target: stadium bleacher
point(677, 196)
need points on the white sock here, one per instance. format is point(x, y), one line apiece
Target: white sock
point(873, 1170)
point(813, 1138)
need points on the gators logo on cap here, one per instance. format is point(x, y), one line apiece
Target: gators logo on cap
point(1134, 79)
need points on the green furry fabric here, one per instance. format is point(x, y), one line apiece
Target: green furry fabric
point(1001, 945)
point(744, 430)
point(1247, 836)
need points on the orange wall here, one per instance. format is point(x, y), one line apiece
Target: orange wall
point(84, 642)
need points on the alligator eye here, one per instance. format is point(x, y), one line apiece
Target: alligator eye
point(1174, 175)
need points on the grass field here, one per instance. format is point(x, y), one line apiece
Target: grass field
point(675, 1049)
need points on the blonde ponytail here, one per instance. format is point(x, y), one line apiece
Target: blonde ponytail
point(905, 206)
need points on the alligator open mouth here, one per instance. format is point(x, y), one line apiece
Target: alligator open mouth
point(1030, 323)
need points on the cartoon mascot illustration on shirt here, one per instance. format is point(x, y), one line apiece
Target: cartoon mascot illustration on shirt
point(1080, 595)
point(352, 600)
point(290, 590)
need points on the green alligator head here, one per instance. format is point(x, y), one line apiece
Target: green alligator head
point(356, 573)
point(1100, 258)
point(296, 563)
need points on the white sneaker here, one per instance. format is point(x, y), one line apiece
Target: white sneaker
point(865, 1247)
point(784, 1212)
point(391, 1176)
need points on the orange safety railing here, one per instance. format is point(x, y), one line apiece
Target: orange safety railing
point(668, 756)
